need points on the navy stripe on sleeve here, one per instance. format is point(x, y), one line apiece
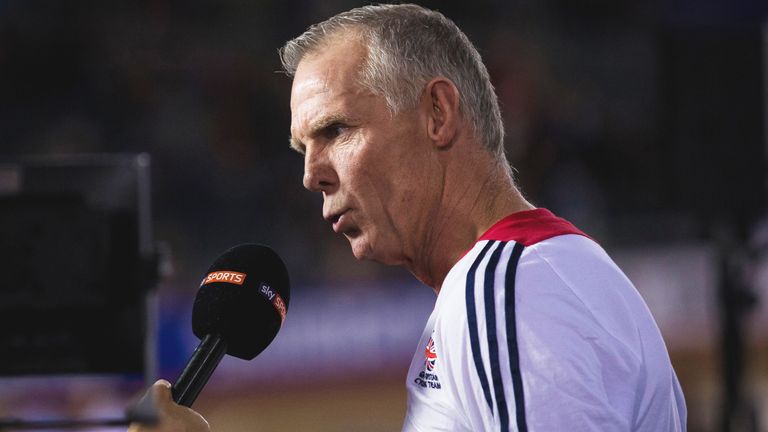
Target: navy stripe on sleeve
point(472, 323)
point(493, 345)
point(514, 357)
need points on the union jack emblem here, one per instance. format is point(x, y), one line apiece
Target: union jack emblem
point(430, 355)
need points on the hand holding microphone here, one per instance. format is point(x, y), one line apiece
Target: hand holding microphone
point(238, 310)
point(172, 417)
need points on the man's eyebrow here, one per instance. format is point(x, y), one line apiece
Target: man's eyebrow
point(317, 126)
point(296, 144)
point(323, 122)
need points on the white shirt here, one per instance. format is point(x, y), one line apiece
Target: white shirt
point(536, 329)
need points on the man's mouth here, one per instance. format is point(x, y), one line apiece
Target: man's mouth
point(338, 220)
point(334, 217)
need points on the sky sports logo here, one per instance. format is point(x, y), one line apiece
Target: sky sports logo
point(238, 278)
point(276, 300)
point(232, 277)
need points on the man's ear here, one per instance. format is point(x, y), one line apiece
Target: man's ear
point(442, 102)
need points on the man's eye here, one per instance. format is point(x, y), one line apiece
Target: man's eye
point(335, 130)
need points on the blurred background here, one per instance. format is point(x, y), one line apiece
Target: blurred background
point(643, 122)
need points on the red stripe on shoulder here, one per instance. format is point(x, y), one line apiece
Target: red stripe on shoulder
point(530, 227)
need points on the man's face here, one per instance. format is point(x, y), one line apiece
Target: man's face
point(371, 167)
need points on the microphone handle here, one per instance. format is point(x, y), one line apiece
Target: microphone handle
point(204, 360)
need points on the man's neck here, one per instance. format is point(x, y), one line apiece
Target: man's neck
point(468, 209)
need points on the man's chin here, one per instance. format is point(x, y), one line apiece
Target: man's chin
point(363, 249)
point(360, 249)
point(361, 246)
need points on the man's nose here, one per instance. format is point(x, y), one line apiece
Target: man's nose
point(319, 175)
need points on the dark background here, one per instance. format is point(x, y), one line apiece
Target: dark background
point(638, 120)
point(643, 122)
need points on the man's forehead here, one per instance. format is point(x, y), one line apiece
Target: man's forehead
point(322, 107)
point(310, 85)
point(325, 84)
point(334, 65)
point(316, 95)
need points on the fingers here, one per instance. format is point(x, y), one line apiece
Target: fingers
point(173, 417)
point(161, 391)
point(151, 406)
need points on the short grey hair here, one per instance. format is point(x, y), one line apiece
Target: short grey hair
point(409, 45)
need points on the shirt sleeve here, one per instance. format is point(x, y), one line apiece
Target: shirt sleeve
point(526, 354)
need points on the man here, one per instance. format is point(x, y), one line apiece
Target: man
point(534, 327)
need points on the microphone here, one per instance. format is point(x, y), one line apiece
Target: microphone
point(238, 310)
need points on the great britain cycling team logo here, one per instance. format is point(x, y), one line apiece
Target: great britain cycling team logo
point(428, 378)
point(430, 355)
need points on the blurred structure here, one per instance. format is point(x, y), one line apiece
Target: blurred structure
point(644, 123)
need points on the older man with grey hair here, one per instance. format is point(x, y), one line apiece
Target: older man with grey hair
point(534, 327)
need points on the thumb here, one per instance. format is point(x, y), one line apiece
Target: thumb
point(173, 417)
point(161, 392)
point(147, 409)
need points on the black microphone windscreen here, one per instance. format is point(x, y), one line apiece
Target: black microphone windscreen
point(243, 298)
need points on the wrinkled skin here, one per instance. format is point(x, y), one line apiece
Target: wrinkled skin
point(376, 171)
